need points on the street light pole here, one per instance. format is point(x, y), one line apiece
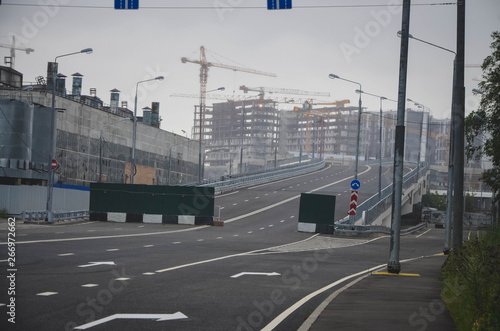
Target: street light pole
point(53, 135)
point(394, 265)
point(332, 76)
point(200, 161)
point(380, 139)
point(451, 168)
point(134, 132)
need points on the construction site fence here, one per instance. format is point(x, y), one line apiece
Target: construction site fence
point(260, 178)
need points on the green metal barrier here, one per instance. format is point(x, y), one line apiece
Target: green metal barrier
point(149, 199)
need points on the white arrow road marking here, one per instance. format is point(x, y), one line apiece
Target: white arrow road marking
point(157, 317)
point(256, 274)
point(93, 264)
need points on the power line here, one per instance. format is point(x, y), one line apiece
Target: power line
point(232, 7)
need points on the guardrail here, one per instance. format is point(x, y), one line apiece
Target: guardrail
point(234, 184)
point(370, 229)
point(30, 216)
point(373, 207)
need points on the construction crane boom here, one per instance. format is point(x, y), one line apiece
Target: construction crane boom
point(13, 50)
point(204, 66)
point(264, 89)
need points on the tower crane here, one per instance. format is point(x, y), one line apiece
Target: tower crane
point(204, 66)
point(13, 49)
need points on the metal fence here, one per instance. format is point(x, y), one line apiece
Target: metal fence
point(375, 206)
point(259, 178)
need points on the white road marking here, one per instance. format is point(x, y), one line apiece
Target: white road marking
point(93, 264)
point(200, 240)
point(107, 237)
point(219, 237)
point(423, 233)
point(176, 242)
point(230, 256)
point(121, 279)
point(66, 254)
point(148, 246)
point(90, 285)
point(261, 228)
point(47, 294)
point(250, 232)
point(282, 180)
point(255, 274)
point(270, 225)
point(157, 317)
point(113, 249)
point(290, 199)
point(148, 273)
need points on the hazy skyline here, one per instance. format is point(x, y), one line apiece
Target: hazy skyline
point(354, 39)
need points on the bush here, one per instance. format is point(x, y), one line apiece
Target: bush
point(434, 200)
point(471, 277)
point(4, 213)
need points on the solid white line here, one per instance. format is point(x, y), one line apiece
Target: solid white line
point(289, 199)
point(423, 233)
point(282, 180)
point(108, 237)
point(230, 256)
point(275, 322)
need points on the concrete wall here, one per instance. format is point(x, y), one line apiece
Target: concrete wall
point(78, 141)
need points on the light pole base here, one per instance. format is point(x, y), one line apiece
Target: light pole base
point(393, 267)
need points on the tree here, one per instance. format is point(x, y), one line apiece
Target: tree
point(482, 127)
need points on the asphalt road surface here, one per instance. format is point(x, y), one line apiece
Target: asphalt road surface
point(257, 272)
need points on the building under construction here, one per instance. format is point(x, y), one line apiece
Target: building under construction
point(240, 136)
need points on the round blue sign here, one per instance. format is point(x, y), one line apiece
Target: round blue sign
point(355, 184)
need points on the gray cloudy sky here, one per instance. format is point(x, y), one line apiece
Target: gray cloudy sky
point(353, 39)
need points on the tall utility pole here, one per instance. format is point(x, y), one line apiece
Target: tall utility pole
point(394, 266)
point(458, 132)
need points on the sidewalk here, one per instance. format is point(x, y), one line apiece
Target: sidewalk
point(388, 302)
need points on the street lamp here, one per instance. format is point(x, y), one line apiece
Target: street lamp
point(380, 139)
point(332, 76)
point(53, 134)
point(454, 159)
point(200, 162)
point(101, 143)
point(134, 132)
point(419, 105)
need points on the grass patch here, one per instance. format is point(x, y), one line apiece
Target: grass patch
point(471, 278)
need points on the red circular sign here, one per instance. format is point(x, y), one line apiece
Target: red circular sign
point(54, 164)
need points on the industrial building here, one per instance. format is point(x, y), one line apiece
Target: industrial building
point(93, 141)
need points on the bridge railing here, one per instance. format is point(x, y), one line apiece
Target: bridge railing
point(375, 206)
point(237, 183)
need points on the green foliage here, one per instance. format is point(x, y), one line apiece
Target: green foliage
point(482, 127)
point(4, 213)
point(434, 200)
point(470, 206)
point(471, 277)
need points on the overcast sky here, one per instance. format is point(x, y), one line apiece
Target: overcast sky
point(354, 39)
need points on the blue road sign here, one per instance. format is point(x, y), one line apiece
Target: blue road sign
point(279, 4)
point(126, 4)
point(355, 184)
